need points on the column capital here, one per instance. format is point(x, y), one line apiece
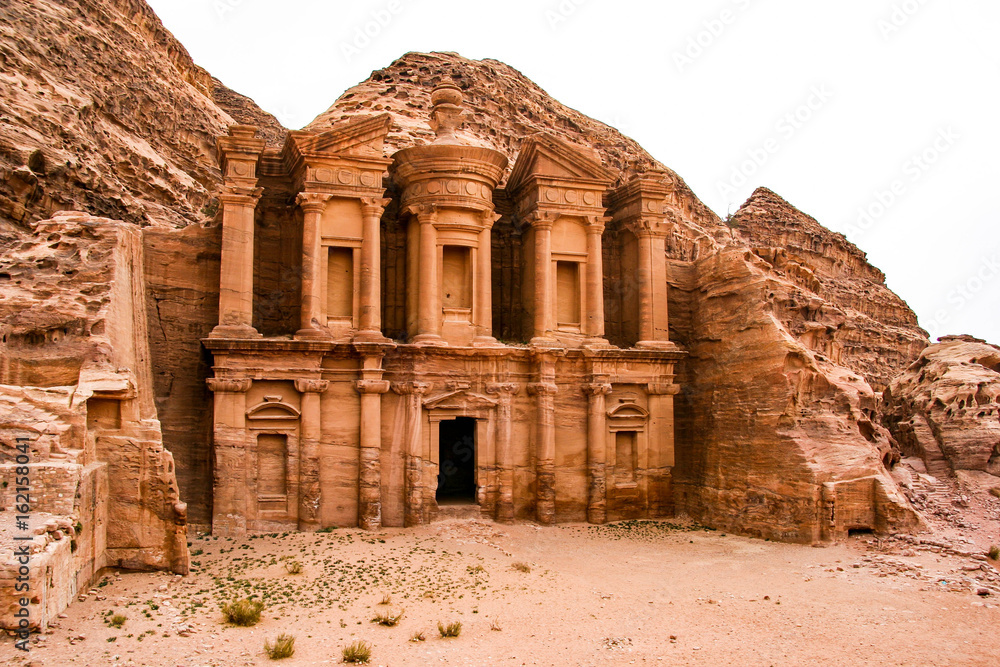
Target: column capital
point(229, 385)
point(595, 224)
point(372, 386)
point(541, 219)
point(311, 386)
point(410, 388)
point(489, 216)
point(240, 195)
point(597, 388)
point(647, 227)
point(543, 389)
point(424, 213)
point(502, 389)
point(663, 388)
point(374, 206)
point(312, 202)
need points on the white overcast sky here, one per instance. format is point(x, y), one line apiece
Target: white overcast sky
point(894, 103)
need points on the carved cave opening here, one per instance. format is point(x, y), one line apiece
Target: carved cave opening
point(457, 461)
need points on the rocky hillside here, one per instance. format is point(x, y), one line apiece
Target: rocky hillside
point(102, 110)
point(845, 311)
point(945, 408)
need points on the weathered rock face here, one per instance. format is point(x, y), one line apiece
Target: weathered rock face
point(843, 310)
point(76, 388)
point(105, 112)
point(775, 440)
point(945, 408)
point(772, 430)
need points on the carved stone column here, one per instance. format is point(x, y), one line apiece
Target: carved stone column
point(232, 506)
point(652, 278)
point(483, 316)
point(661, 445)
point(370, 323)
point(594, 322)
point(370, 467)
point(597, 432)
point(413, 492)
point(544, 300)
point(311, 312)
point(236, 272)
point(504, 391)
point(545, 495)
point(239, 152)
point(429, 292)
point(310, 432)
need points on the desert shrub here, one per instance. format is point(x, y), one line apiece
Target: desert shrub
point(386, 600)
point(994, 553)
point(293, 567)
point(451, 630)
point(387, 618)
point(283, 647)
point(417, 636)
point(117, 621)
point(521, 567)
point(243, 612)
point(357, 653)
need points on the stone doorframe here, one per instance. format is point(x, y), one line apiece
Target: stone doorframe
point(458, 401)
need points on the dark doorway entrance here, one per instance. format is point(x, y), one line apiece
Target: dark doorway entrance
point(457, 472)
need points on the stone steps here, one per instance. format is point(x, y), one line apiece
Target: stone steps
point(458, 512)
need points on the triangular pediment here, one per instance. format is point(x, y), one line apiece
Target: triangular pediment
point(457, 400)
point(545, 155)
point(363, 136)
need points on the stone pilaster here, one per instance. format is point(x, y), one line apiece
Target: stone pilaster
point(545, 497)
point(370, 317)
point(660, 397)
point(543, 296)
point(597, 433)
point(232, 490)
point(652, 278)
point(310, 432)
point(311, 313)
point(414, 487)
point(504, 391)
point(483, 300)
point(239, 152)
point(370, 466)
point(593, 325)
point(429, 291)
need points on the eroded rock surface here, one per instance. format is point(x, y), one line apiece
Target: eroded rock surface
point(842, 309)
point(76, 388)
point(945, 408)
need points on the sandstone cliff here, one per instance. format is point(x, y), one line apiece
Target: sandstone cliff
point(118, 121)
point(844, 311)
point(105, 112)
point(945, 408)
point(76, 383)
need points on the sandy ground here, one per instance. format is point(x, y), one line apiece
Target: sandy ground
point(633, 593)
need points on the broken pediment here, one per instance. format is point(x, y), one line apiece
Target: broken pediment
point(546, 156)
point(363, 136)
point(459, 399)
point(272, 408)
